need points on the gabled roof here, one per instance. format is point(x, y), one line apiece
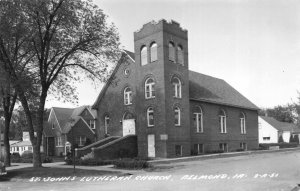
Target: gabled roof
point(64, 117)
point(69, 125)
point(209, 89)
point(125, 54)
point(202, 88)
point(280, 126)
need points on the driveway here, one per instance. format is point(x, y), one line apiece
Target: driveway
point(266, 171)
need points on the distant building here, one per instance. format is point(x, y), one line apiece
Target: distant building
point(172, 111)
point(22, 146)
point(270, 130)
point(67, 126)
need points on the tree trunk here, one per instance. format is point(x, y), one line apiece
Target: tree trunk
point(6, 143)
point(37, 160)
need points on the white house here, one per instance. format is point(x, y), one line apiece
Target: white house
point(269, 130)
point(22, 146)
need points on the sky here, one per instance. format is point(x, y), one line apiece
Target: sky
point(254, 45)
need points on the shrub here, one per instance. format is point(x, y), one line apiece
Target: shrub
point(214, 151)
point(131, 164)
point(240, 150)
point(15, 157)
point(27, 155)
point(47, 160)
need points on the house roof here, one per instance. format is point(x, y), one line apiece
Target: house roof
point(48, 132)
point(62, 115)
point(210, 89)
point(21, 144)
point(66, 118)
point(202, 88)
point(75, 120)
point(280, 126)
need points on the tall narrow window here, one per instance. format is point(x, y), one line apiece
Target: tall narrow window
point(127, 96)
point(198, 120)
point(150, 117)
point(92, 124)
point(180, 55)
point(177, 116)
point(153, 52)
point(106, 123)
point(176, 87)
point(58, 141)
point(222, 121)
point(149, 88)
point(171, 52)
point(243, 123)
point(144, 58)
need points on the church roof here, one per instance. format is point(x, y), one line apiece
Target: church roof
point(210, 89)
point(205, 88)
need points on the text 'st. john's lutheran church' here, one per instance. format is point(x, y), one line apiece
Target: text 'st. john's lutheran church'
point(173, 111)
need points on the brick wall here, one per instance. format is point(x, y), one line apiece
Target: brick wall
point(211, 136)
point(125, 147)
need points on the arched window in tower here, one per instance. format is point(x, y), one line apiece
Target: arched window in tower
point(149, 88)
point(171, 52)
point(144, 58)
point(177, 117)
point(243, 123)
point(127, 96)
point(198, 119)
point(176, 87)
point(222, 121)
point(153, 52)
point(150, 117)
point(180, 55)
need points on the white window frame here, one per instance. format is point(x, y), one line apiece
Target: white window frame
point(81, 139)
point(92, 124)
point(127, 96)
point(144, 55)
point(199, 126)
point(177, 87)
point(149, 88)
point(200, 145)
point(224, 147)
point(243, 124)
point(222, 121)
point(153, 52)
point(106, 123)
point(177, 112)
point(150, 111)
point(58, 141)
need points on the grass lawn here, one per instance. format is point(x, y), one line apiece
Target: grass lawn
point(26, 174)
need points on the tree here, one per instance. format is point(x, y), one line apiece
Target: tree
point(59, 41)
point(8, 99)
point(280, 113)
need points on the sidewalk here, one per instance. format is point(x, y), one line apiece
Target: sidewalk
point(219, 155)
point(63, 165)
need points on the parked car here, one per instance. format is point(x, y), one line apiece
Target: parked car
point(2, 169)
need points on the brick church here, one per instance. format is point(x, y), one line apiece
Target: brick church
point(171, 110)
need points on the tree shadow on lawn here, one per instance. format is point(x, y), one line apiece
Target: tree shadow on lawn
point(26, 174)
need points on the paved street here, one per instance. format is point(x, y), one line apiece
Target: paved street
point(268, 171)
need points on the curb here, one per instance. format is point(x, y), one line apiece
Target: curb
point(219, 155)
